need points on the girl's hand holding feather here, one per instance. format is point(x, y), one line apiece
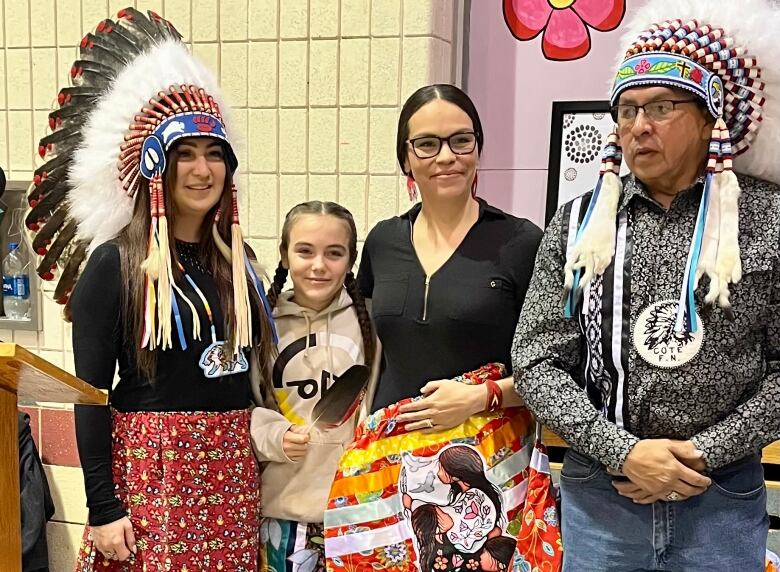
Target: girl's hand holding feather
point(295, 442)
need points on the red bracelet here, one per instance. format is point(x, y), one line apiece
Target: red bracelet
point(494, 395)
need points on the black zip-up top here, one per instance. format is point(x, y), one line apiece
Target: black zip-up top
point(455, 320)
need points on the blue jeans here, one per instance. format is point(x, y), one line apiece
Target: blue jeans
point(725, 528)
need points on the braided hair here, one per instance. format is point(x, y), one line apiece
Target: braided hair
point(363, 318)
point(280, 276)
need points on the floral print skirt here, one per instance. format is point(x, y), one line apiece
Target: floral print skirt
point(191, 487)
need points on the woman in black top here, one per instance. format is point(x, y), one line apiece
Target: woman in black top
point(448, 278)
point(170, 298)
point(151, 385)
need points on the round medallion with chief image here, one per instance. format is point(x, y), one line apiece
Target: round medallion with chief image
point(656, 340)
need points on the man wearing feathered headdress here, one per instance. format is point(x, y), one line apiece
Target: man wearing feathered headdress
point(661, 368)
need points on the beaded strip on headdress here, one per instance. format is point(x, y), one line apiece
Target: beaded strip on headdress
point(137, 91)
point(705, 61)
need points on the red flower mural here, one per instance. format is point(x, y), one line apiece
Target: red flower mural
point(563, 23)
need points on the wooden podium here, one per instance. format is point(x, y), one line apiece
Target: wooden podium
point(27, 377)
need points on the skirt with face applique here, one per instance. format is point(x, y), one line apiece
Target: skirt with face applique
point(451, 500)
point(191, 487)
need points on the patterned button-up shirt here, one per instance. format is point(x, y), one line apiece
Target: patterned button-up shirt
point(726, 399)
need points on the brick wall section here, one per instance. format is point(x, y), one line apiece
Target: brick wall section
point(316, 87)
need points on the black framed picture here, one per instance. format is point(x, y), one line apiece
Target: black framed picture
point(578, 134)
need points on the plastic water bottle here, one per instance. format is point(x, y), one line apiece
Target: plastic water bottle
point(16, 284)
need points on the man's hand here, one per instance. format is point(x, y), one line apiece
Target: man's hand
point(687, 453)
point(658, 467)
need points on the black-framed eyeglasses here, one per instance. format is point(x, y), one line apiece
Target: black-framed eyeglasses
point(625, 115)
point(428, 146)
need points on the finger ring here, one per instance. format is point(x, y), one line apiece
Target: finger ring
point(673, 496)
point(429, 424)
point(110, 554)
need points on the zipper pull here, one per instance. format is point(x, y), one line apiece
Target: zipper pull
point(425, 300)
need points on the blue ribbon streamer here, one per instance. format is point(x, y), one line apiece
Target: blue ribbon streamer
point(691, 321)
point(177, 319)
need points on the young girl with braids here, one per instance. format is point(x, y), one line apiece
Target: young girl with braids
point(323, 329)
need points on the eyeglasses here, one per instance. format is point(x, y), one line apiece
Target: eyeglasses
point(625, 115)
point(428, 146)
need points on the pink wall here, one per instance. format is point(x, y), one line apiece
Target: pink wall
point(513, 86)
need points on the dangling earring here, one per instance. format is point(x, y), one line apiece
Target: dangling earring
point(474, 185)
point(411, 188)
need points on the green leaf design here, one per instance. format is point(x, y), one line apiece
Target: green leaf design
point(625, 72)
point(662, 67)
point(513, 528)
point(368, 496)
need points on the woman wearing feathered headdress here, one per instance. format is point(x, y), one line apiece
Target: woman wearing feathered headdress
point(139, 176)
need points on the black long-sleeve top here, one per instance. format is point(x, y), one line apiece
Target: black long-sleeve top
point(99, 344)
point(462, 316)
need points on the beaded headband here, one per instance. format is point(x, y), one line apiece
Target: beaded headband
point(670, 70)
point(706, 61)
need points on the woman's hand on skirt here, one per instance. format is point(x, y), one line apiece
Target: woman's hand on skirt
point(115, 540)
point(447, 404)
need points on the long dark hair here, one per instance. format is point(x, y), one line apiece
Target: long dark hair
point(425, 95)
point(425, 523)
point(501, 549)
point(132, 242)
point(280, 276)
point(464, 464)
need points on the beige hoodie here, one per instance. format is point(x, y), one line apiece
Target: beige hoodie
point(311, 346)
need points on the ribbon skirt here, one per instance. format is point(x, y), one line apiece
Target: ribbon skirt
point(450, 500)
